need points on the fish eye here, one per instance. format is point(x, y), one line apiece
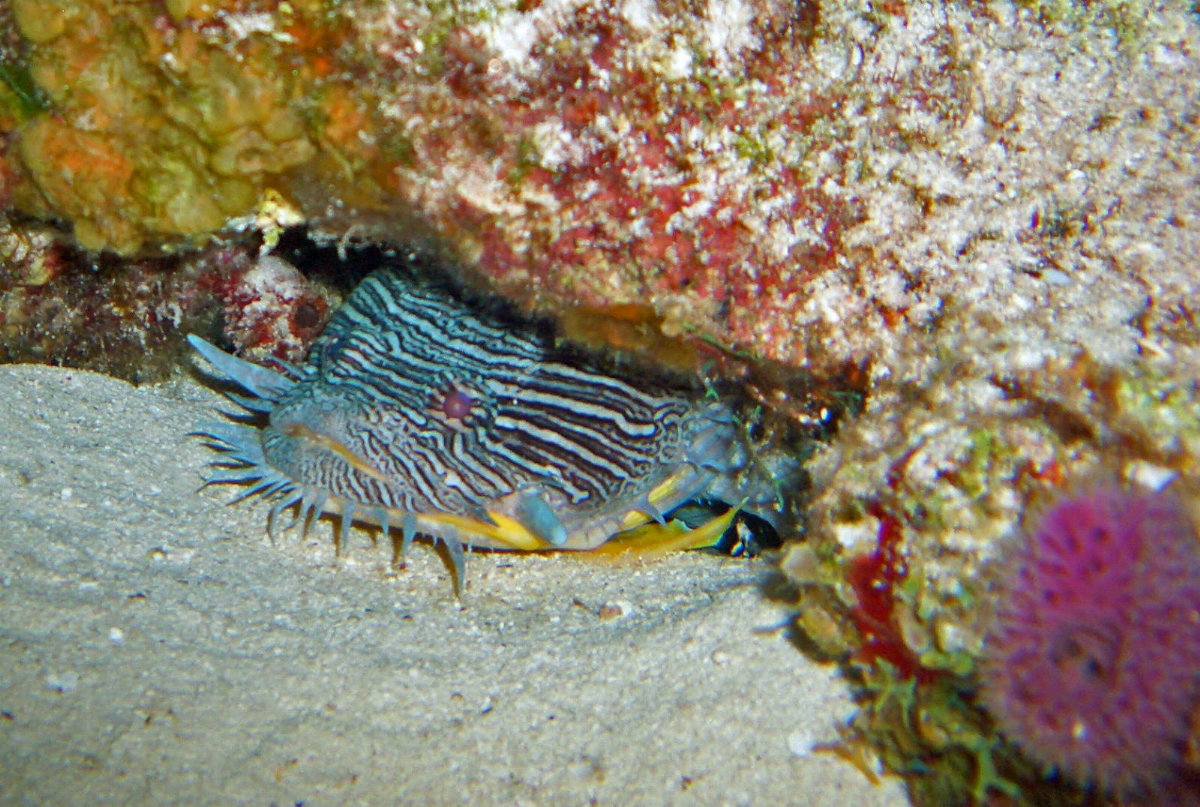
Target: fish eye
point(457, 404)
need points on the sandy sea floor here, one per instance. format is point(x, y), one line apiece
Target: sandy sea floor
point(155, 648)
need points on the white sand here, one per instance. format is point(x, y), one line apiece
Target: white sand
point(155, 648)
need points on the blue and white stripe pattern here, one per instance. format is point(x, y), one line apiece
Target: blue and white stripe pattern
point(416, 409)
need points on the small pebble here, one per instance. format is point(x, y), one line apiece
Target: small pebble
point(800, 743)
point(62, 682)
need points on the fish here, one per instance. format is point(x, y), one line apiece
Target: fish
point(420, 408)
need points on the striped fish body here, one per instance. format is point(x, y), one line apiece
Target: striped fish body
point(416, 409)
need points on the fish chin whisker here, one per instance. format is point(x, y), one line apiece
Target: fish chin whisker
point(312, 505)
point(252, 404)
point(348, 511)
point(232, 475)
point(286, 499)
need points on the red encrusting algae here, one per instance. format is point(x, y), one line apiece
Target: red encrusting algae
point(874, 577)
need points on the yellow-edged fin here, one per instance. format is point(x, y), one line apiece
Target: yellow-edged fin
point(665, 488)
point(506, 532)
point(674, 536)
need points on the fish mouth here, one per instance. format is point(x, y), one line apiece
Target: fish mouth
point(334, 446)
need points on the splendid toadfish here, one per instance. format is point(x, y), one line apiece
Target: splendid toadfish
point(417, 409)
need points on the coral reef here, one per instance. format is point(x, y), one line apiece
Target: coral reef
point(127, 317)
point(914, 504)
point(1093, 664)
point(60, 305)
point(154, 130)
point(813, 182)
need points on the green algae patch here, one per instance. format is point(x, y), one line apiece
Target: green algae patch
point(20, 97)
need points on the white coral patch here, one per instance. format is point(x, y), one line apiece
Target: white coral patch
point(274, 277)
point(727, 30)
point(857, 536)
point(678, 64)
point(640, 14)
point(511, 34)
point(244, 26)
point(554, 144)
point(479, 187)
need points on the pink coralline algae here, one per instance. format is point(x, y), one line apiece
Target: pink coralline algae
point(1093, 664)
point(626, 179)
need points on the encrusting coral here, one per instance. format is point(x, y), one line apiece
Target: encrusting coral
point(151, 131)
point(813, 182)
point(915, 504)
